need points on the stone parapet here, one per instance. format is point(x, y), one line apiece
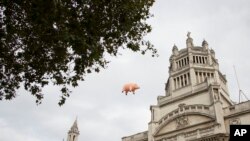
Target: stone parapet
point(236, 109)
point(142, 136)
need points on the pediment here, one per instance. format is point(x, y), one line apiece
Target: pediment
point(181, 122)
point(182, 117)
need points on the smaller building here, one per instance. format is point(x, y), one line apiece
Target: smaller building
point(73, 132)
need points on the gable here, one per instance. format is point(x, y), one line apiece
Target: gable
point(181, 122)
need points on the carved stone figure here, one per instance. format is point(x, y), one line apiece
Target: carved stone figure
point(235, 121)
point(188, 34)
point(181, 121)
point(189, 40)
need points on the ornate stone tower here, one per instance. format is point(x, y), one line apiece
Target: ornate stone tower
point(196, 93)
point(73, 132)
point(196, 105)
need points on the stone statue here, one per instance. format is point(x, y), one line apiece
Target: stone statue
point(188, 34)
point(189, 41)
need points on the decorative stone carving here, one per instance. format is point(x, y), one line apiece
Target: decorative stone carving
point(216, 94)
point(181, 105)
point(205, 45)
point(235, 121)
point(182, 121)
point(189, 40)
point(175, 50)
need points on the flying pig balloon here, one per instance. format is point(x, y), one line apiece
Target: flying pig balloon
point(130, 87)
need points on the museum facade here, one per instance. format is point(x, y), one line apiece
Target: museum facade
point(196, 105)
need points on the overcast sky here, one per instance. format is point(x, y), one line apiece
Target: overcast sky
point(104, 113)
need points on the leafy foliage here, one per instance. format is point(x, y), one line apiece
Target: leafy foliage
point(60, 41)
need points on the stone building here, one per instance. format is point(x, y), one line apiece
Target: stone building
point(196, 105)
point(73, 132)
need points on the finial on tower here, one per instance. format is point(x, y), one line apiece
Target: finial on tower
point(189, 40)
point(175, 50)
point(188, 34)
point(205, 44)
point(175, 47)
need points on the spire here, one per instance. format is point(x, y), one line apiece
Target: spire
point(73, 132)
point(74, 127)
point(189, 40)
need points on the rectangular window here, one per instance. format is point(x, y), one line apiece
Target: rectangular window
point(178, 82)
point(185, 79)
point(174, 83)
point(182, 84)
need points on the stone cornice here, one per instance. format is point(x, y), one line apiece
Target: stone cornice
point(201, 68)
point(206, 138)
point(181, 55)
point(179, 71)
point(181, 97)
point(237, 114)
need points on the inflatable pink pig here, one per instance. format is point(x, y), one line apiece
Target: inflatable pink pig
point(130, 87)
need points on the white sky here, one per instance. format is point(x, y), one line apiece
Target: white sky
point(104, 113)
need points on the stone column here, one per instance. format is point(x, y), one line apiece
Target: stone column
point(209, 58)
point(171, 85)
point(151, 130)
point(216, 76)
point(192, 78)
point(218, 109)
